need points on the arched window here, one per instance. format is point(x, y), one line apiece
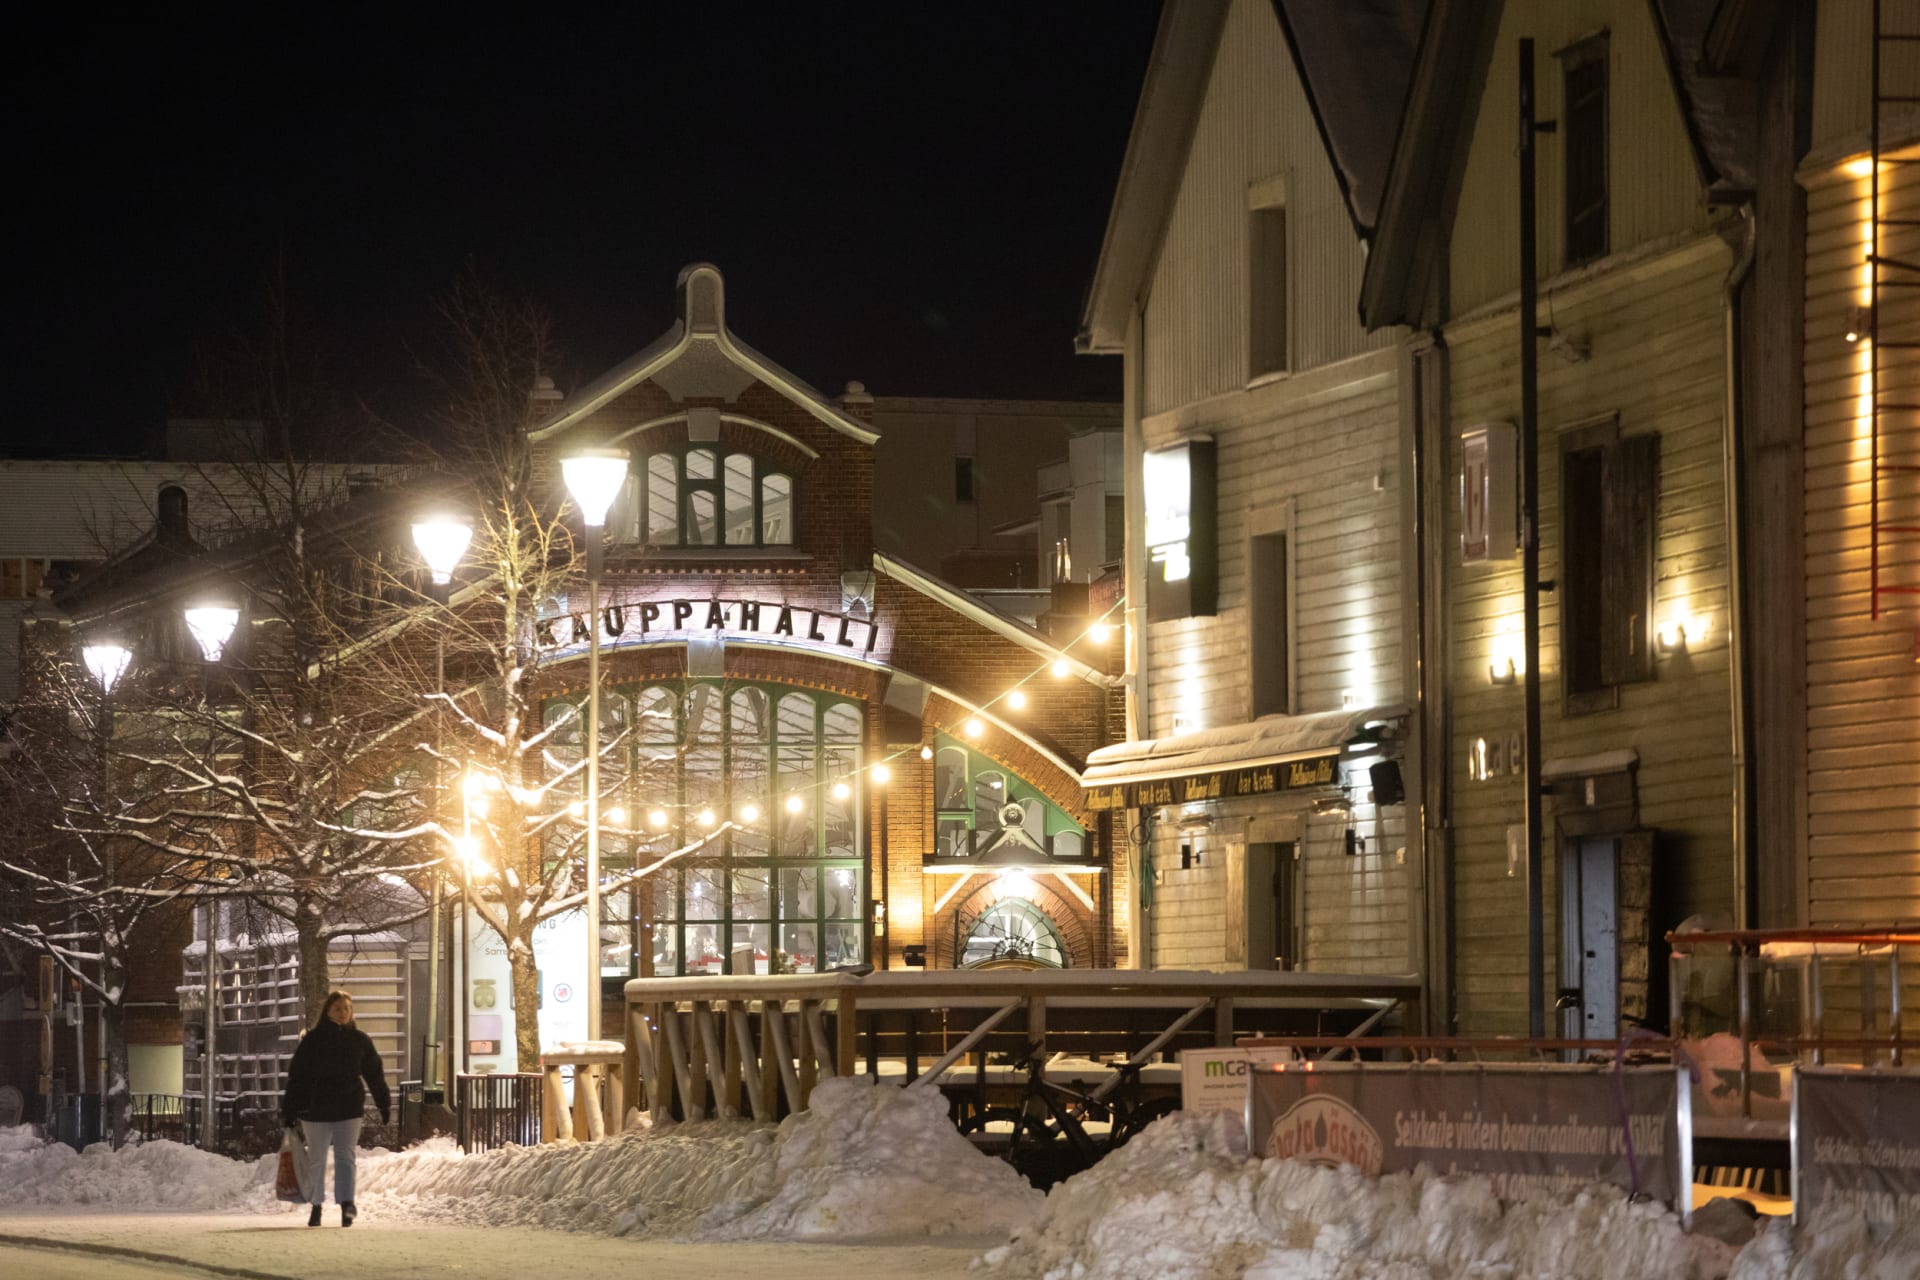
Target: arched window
point(980, 805)
point(784, 889)
point(1012, 932)
point(700, 496)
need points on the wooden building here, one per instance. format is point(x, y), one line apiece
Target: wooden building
point(1267, 481)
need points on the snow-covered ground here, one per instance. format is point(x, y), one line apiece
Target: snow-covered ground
point(881, 1174)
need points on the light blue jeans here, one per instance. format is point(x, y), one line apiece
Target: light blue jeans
point(344, 1137)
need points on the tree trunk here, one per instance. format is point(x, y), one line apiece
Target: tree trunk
point(526, 1001)
point(118, 1117)
point(315, 981)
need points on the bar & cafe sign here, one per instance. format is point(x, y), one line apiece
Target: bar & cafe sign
point(1223, 784)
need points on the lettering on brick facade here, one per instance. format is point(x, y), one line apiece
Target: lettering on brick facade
point(663, 619)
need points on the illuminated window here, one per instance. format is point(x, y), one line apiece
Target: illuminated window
point(700, 496)
point(783, 890)
point(981, 806)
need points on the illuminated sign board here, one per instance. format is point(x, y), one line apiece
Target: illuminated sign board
point(1183, 571)
point(641, 622)
point(1224, 784)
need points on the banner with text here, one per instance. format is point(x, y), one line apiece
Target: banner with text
point(1856, 1140)
point(1533, 1129)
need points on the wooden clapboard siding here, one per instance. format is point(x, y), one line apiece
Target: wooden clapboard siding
point(1862, 754)
point(1254, 125)
point(1317, 442)
point(1653, 182)
point(1657, 361)
point(1843, 48)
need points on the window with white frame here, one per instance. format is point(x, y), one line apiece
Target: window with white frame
point(705, 496)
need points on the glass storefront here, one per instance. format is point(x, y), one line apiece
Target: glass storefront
point(783, 890)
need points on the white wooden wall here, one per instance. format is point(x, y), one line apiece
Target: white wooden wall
point(1653, 180)
point(1255, 124)
point(1656, 360)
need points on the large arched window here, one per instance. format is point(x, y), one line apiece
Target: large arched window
point(1011, 932)
point(704, 496)
point(782, 891)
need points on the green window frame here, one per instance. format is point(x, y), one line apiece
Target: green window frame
point(784, 889)
point(701, 495)
point(969, 789)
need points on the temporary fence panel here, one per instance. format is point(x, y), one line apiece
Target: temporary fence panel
point(1856, 1141)
point(1532, 1129)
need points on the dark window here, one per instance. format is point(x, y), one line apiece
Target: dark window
point(1584, 128)
point(1116, 531)
point(1606, 564)
point(1267, 291)
point(1269, 667)
point(963, 479)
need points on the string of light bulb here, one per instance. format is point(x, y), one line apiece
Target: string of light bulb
point(880, 772)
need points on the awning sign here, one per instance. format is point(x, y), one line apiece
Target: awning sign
point(1856, 1140)
point(1534, 1130)
point(1225, 784)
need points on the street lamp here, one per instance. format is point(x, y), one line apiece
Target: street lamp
point(107, 660)
point(212, 623)
point(594, 478)
point(442, 539)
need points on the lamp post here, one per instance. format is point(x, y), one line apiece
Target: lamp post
point(442, 539)
point(594, 477)
point(107, 661)
point(212, 623)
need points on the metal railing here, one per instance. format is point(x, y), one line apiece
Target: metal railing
point(496, 1110)
point(1811, 995)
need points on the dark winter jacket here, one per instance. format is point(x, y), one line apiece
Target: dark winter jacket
point(324, 1081)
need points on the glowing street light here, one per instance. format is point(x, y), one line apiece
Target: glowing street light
point(107, 661)
point(212, 624)
point(442, 539)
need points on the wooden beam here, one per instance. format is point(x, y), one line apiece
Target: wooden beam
point(751, 1065)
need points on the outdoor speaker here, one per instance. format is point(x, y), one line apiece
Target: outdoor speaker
point(1387, 786)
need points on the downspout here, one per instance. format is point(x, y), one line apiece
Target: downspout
point(1138, 657)
point(1732, 478)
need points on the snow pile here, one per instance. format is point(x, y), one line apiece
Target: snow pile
point(1179, 1201)
point(19, 1137)
point(1834, 1241)
point(151, 1175)
point(866, 1160)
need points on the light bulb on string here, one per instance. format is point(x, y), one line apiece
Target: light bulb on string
point(658, 819)
point(841, 791)
point(926, 753)
point(973, 727)
point(1062, 668)
point(1099, 633)
point(882, 774)
point(705, 817)
point(1017, 699)
point(795, 804)
point(750, 813)
point(617, 815)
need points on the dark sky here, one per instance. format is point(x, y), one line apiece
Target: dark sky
point(910, 194)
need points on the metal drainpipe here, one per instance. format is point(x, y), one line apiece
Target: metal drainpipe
point(1743, 859)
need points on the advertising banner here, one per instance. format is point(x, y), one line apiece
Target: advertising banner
point(1856, 1140)
point(1533, 1129)
point(1216, 1079)
point(560, 952)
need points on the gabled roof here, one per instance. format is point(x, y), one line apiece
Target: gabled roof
point(702, 346)
point(1163, 123)
point(1714, 52)
point(1354, 60)
point(1429, 158)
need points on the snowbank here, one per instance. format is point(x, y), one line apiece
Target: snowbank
point(1178, 1201)
point(865, 1161)
point(1834, 1242)
point(150, 1175)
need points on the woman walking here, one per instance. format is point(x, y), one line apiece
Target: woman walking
point(325, 1098)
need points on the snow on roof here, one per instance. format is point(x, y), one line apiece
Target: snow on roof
point(1266, 739)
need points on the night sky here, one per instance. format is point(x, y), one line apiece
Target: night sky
point(905, 193)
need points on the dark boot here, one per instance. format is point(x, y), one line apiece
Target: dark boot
point(313, 1219)
point(346, 1214)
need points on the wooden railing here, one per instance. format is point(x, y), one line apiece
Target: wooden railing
point(758, 1045)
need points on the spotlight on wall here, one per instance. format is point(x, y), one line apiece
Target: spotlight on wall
point(1859, 323)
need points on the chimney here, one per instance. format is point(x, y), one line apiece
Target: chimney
point(544, 400)
point(857, 402)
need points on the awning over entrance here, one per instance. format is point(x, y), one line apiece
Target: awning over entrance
point(1271, 754)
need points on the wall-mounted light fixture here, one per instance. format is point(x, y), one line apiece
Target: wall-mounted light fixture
point(1859, 323)
point(1676, 634)
point(1503, 671)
